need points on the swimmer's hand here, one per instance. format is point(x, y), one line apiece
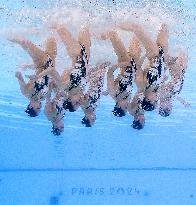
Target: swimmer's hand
point(183, 101)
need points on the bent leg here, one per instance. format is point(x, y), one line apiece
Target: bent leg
point(150, 46)
point(85, 39)
point(51, 47)
point(34, 51)
point(118, 46)
point(71, 44)
point(135, 50)
point(163, 37)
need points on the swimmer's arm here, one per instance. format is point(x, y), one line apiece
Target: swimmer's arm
point(110, 80)
point(183, 101)
point(23, 85)
point(139, 80)
point(144, 37)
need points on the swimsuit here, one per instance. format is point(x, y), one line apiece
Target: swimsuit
point(126, 81)
point(155, 73)
point(41, 86)
point(78, 75)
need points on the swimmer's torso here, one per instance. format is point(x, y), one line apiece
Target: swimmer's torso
point(78, 74)
point(125, 82)
point(41, 85)
point(153, 76)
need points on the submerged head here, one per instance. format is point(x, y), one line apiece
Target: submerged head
point(164, 111)
point(33, 109)
point(58, 127)
point(148, 105)
point(89, 119)
point(138, 122)
point(67, 105)
point(73, 103)
point(120, 108)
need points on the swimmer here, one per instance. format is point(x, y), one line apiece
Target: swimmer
point(120, 88)
point(172, 89)
point(79, 52)
point(92, 97)
point(54, 111)
point(157, 53)
point(36, 89)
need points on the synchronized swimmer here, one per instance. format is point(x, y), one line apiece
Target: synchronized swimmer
point(158, 76)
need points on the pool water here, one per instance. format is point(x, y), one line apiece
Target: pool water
point(110, 163)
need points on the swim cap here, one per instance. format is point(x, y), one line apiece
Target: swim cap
point(56, 131)
point(67, 105)
point(164, 112)
point(147, 105)
point(118, 111)
point(86, 122)
point(137, 125)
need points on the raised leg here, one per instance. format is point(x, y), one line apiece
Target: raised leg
point(35, 52)
point(163, 37)
point(85, 39)
point(150, 46)
point(118, 46)
point(71, 44)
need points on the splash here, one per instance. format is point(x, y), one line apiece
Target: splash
point(36, 17)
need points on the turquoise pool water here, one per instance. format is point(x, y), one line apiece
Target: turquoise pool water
point(109, 163)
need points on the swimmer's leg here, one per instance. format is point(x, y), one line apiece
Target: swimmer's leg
point(85, 39)
point(35, 52)
point(51, 47)
point(135, 50)
point(71, 44)
point(163, 37)
point(118, 46)
point(135, 53)
point(150, 46)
